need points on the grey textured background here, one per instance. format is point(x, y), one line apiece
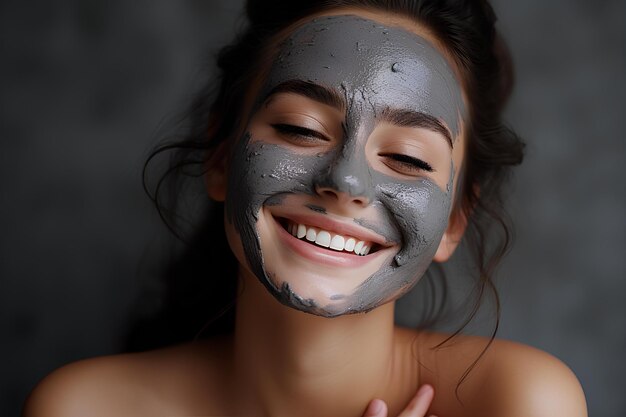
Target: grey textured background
point(84, 86)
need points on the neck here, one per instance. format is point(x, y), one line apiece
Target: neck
point(292, 363)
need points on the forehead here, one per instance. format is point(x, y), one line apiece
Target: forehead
point(369, 62)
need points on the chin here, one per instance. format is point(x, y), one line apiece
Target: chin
point(287, 296)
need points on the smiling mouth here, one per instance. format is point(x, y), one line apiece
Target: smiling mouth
point(327, 239)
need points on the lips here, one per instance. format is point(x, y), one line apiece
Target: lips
point(329, 239)
point(322, 255)
point(337, 236)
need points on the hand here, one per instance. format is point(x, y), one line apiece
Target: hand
point(417, 407)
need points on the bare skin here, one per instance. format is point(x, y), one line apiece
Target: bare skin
point(283, 362)
point(303, 366)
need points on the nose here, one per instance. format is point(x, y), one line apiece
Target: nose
point(346, 183)
point(341, 197)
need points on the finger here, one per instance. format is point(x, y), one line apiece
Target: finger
point(376, 408)
point(420, 403)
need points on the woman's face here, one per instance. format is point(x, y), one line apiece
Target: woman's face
point(340, 190)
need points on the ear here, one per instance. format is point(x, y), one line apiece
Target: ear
point(215, 178)
point(452, 236)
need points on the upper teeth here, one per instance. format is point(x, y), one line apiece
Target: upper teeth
point(330, 240)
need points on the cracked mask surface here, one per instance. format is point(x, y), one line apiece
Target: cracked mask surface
point(373, 67)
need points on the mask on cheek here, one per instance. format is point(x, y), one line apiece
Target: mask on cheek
point(411, 214)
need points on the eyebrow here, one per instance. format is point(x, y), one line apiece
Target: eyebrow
point(311, 90)
point(328, 96)
point(410, 118)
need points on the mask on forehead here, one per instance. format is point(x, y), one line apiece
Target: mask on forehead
point(374, 68)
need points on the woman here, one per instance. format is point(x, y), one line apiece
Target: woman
point(352, 143)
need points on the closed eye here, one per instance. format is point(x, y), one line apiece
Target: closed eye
point(299, 133)
point(408, 162)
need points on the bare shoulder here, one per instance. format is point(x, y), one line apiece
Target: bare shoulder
point(105, 384)
point(185, 379)
point(511, 379)
point(530, 382)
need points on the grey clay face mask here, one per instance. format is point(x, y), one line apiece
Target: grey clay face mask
point(373, 67)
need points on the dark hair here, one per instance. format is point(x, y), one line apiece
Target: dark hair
point(195, 289)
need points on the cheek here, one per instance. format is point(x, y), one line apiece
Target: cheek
point(421, 212)
point(261, 174)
